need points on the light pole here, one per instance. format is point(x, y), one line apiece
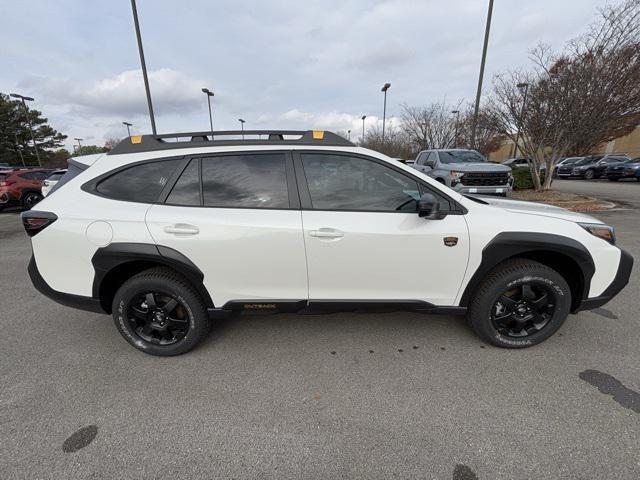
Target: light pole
point(241, 120)
point(524, 102)
point(474, 123)
point(455, 140)
point(26, 113)
point(19, 150)
point(127, 124)
point(385, 87)
point(349, 135)
point(363, 117)
point(79, 144)
point(144, 66)
point(209, 94)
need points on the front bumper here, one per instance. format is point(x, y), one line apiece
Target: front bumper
point(482, 189)
point(75, 301)
point(619, 282)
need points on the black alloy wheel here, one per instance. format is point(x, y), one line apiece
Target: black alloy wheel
point(523, 310)
point(30, 199)
point(158, 318)
point(589, 174)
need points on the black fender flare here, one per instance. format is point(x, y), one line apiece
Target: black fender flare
point(506, 245)
point(107, 258)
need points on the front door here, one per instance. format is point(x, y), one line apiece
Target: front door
point(365, 240)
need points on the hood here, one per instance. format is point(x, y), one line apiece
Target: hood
point(518, 206)
point(479, 167)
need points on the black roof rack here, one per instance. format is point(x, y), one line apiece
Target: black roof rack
point(166, 141)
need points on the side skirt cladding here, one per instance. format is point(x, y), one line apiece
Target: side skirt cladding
point(564, 254)
point(116, 259)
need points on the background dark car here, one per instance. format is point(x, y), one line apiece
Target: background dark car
point(595, 166)
point(21, 187)
point(628, 169)
point(565, 167)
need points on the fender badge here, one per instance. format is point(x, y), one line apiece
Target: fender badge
point(450, 241)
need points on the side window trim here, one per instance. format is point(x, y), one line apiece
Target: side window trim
point(173, 180)
point(305, 195)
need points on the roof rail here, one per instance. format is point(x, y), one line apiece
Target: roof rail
point(166, 141)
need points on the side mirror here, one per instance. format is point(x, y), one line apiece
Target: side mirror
point(428, 207)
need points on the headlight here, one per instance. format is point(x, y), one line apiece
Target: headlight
point(455, 174)
point(600, 230)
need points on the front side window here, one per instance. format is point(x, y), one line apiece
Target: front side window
point(340, 182)
point(245, 181)
point(433, 159)
point(140, 183)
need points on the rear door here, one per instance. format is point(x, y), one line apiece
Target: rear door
point(236, 216)
point(364, 238)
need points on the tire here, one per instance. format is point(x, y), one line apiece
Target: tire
point(29, 199)
point(488, 313)
point(589, 175)
point(162, 328)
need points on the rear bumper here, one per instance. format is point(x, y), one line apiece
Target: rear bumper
point(619, 282)
point(75, 301)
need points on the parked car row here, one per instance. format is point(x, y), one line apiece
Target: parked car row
point(24, 187)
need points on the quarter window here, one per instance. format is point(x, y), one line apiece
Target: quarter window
point(186, 191)
point(245, 181)
point(140, 183)
point(340, 182)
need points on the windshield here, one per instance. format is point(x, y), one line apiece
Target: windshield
point(570, 161)
point(460, 156)
point(584, 161)
point(56, 176)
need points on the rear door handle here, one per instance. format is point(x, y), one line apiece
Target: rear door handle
point(326, 233)
point(182, 229)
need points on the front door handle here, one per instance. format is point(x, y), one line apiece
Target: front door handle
point(182, 229)
point(326, 233)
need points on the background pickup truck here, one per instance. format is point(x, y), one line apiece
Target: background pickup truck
point(466, 171)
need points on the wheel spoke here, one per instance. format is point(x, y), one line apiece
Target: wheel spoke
point(169, 306)
point(539, 303)
point(527, 292)
point(508, 302)
point(146, 330)
point(140, 314)
point(177, 322)
point(151, 300)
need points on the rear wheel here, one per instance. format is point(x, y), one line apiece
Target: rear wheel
point(159, 313)
point(519, 304)
point(29, 199)
point(589, 175)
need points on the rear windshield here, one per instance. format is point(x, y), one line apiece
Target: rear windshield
point(460, 156)
point(55, 176)
point(73, 171)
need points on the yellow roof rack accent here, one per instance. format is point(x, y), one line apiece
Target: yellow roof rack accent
point(318, 134)
point(135, 139)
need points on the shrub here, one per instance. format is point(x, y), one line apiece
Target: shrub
point(522, 179)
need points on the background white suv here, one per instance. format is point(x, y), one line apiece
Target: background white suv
point(168, 235)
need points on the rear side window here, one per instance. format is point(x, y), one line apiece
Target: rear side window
point(186, 191)
point(140, 183)
point(73, 171)
point(245, 181)
point(55, 176)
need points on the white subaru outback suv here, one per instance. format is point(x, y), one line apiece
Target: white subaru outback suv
point(167, 232)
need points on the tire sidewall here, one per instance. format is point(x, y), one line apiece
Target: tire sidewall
point(198, 319)
point(562, 300)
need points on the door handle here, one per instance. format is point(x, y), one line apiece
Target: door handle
point(182, 229)
point(326, 233)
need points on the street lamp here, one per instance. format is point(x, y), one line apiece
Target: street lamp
point(144, 65)
point(385, 87)
point(26, 113)
point(457, 114)
point(349, 135)
point(524, 102)
point(15, 134)
point(209, 94)
point(241, 120)
point(79, 144)
point(127, 124)
point(474, 123)
point(363, 117)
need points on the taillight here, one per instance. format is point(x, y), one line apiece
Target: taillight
point(34, 222)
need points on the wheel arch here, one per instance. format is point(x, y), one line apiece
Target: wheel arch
point(565, 255)
point(117, 262)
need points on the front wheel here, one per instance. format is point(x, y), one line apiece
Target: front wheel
point(519, 304)
point(158, 312)
point(589, 175)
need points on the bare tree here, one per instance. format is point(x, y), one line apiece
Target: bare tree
point(430, 126)
point(576, 100)
point(396, 142)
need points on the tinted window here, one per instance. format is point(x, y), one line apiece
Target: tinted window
point(55, 176)
point(186, 191)
point(460, 156)
point(141, 183)
point(249, 181)
point(339, 182)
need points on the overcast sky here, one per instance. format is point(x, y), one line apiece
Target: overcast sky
point(277, 64)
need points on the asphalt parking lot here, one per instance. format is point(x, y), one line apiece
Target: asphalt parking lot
point(319, 396)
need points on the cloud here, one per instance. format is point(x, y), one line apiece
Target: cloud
point(121, 95)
